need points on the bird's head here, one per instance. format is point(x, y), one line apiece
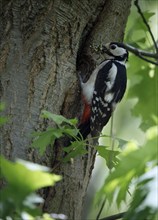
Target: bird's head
point(116, 51)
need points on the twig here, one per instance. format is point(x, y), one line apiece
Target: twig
point(138, 52)
point(146, 23)
point(112, 141)
point(101, 209)
point(147, 60)
point(114, 217)
point(142, 54)
point(110, 159)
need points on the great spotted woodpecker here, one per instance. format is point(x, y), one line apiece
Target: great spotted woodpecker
point(104, 89)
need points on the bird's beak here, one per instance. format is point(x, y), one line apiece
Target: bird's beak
point(105, 48)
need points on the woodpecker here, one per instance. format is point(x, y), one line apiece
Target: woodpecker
point(104, 89)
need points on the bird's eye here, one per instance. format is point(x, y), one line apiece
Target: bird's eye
point(113, 47)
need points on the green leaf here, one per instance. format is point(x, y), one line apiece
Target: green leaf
point(58, 119)
point(45, 138)
point(110, 156)
point(121, 196)
point(26, 177)
point(77, 148)
point(122, 142)
point(141, 40)
point(148, 15)
point(144, 203)
point(72, 132)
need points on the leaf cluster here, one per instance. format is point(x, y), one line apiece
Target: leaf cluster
point(133, 163)
point(77, 146)
point(63, 127)
point(139, 38)
point(21, 180)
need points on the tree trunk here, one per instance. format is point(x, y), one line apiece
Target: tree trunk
point(43, 43)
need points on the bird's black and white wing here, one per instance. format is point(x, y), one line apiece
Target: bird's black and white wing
point(109, 89)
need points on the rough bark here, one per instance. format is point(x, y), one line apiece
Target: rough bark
point(42, 44)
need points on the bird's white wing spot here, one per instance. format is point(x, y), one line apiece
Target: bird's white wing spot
point(97, 99)
point(94, 109)
point(94, 102)
point(92, 119)
point(104, 104)
point(108, 97)
point(95, 92)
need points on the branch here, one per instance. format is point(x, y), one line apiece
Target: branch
point(138, 52)
point(149, 61)
point(142, 54)
point(101, 209)
point(114, 217)
point(146, 23)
